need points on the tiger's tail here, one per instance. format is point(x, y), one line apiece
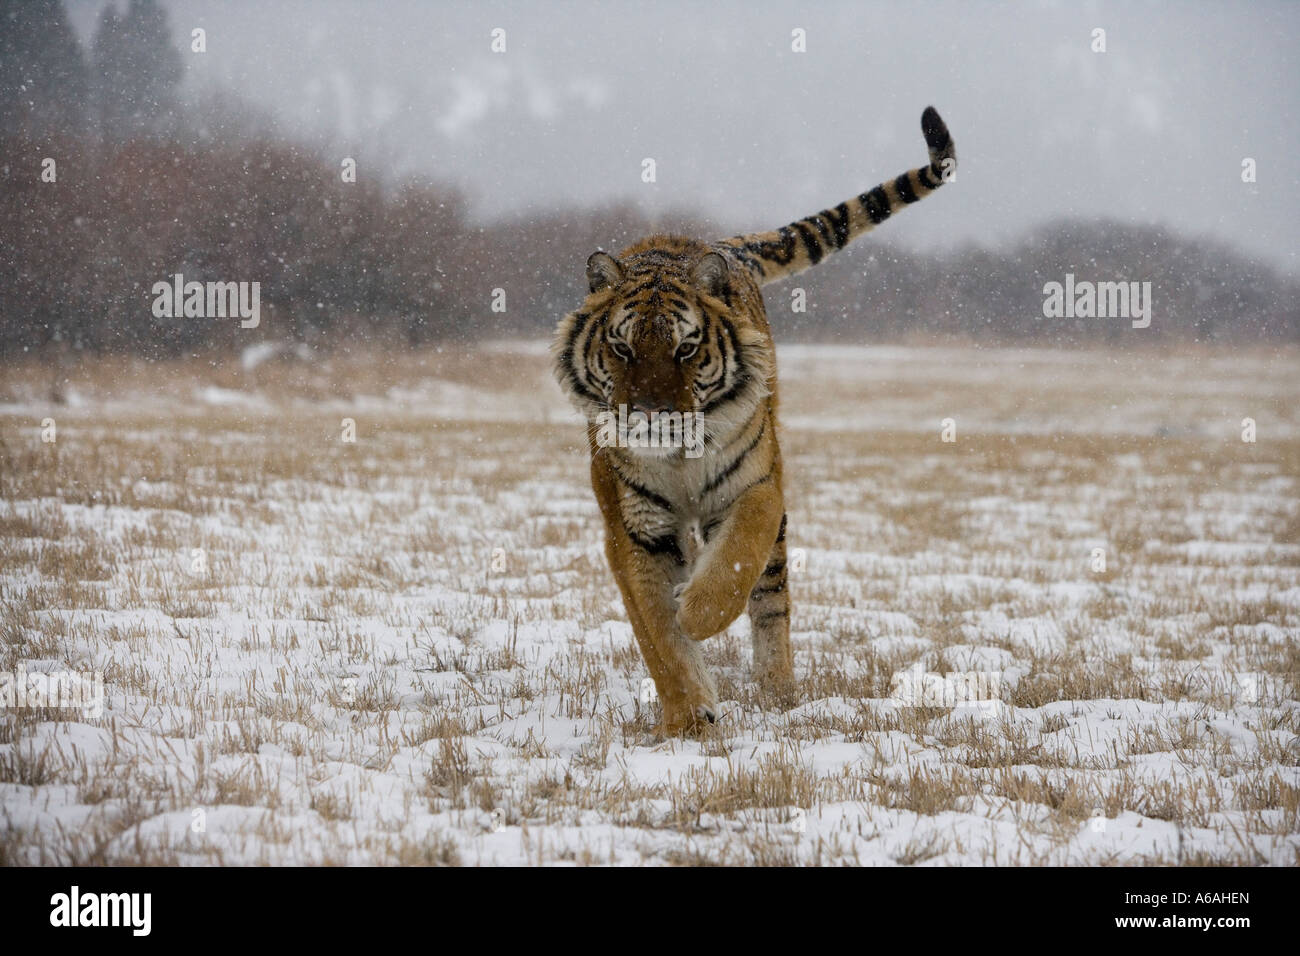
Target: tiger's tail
point(791, 249)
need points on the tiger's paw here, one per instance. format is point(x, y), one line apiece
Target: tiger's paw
point(690, 720)
point(701, 615)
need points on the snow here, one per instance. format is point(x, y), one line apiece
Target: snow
point(351, 680)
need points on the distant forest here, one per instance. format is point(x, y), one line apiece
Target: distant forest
point(140, 190)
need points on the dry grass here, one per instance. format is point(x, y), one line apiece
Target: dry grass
point(408, 650)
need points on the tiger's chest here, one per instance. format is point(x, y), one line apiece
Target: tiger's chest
point(682, 501)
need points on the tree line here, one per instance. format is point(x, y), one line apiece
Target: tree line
point(105, 191)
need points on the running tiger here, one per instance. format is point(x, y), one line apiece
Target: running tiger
point(674, 340)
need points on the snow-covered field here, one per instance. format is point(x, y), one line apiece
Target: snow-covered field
point(408, 649)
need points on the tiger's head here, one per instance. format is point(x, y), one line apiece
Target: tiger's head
point(666, 332)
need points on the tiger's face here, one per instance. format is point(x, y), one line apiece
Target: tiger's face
point(657, 339)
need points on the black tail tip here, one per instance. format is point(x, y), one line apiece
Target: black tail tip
point(936, 132)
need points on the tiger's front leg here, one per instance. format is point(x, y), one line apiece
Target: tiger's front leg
point(732, 563)
point(646, 573)
point(686, 691)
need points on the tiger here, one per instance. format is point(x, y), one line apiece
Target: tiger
point(673, 340)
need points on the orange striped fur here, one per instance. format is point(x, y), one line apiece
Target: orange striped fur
point(695, 533)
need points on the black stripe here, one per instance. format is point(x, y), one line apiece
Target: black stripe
point(839, 220)
point(741, 383)
point(647, 286)
point(604, 377)
point(752, 485)
point(571, 371)
point(742, 378)
point(657, 500)
point(702, 383)
point(744, 256)
point(929, 177)
point(593, 347)
point(565, 361)
point(744, 429)
point(580, 322)
point(810, 243)
point(774, 589)
point(581, 388)
point(819, 221)
point(767, 617)
point(666, 544)
point(876, 203)
point(735, 462)
point(780, 250)
point(704, 386)
point(774, 567)
point(903, 185)
point(780, 535)
point(655, 284)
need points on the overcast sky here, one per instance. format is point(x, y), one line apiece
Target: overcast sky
point(753, 135)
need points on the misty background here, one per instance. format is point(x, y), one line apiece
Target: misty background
point(479, 170)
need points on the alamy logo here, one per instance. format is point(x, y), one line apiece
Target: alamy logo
point(915, 687)
point(208, 300)
point(1102, 300)
point(660, 430)
point(102, 909)
point(57, 690)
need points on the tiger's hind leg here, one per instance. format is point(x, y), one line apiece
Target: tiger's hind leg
point(769, 618)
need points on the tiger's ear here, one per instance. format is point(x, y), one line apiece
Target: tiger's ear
point(603, 270)
point(711, 275)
